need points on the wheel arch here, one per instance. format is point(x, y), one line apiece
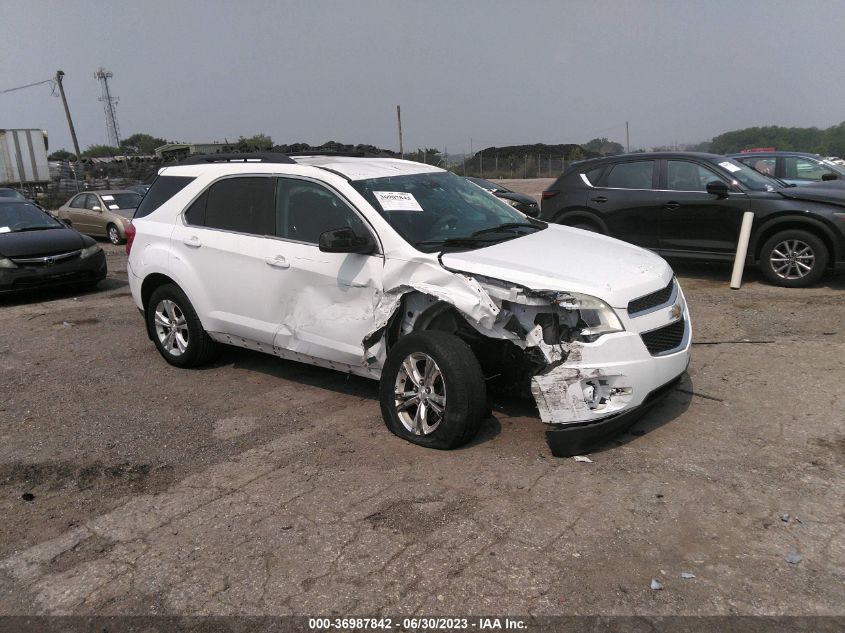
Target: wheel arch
point(569, 217)
point(784, 223)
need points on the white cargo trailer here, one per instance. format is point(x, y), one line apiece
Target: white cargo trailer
point(23, 157)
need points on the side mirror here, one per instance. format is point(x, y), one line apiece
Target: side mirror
point(718, 188)
point(829, 176)
point(96, 208)
point(344, 240)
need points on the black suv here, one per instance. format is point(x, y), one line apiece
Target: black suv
point(690, 205)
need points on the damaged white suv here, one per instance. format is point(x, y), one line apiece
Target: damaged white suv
point(408, 274)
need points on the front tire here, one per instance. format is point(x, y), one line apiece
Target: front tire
point(793, 258)
point(432, 391)
point(113, 234)
point(176, 329)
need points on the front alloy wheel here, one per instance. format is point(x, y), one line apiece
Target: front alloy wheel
point(420, 394)
point(432, 391)
point(793, 258)
point(171, 327)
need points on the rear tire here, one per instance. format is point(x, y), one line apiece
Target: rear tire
point(432, 391)
point(113, 234)
point(176, 329)
point(793, 258)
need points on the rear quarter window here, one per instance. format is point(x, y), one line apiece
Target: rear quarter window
point(162, 190)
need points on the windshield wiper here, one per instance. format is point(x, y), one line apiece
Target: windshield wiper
point(34, 228)
point(508, 227)
point(469, 241)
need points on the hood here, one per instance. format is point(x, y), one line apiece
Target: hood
point(38, 243)
point(830, 192)
point(517, 197)
point(566, 259)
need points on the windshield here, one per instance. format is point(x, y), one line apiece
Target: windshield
point(746, 176)
point(432, 208)
point(24, 216)
point(11, 193)
point(115, 201)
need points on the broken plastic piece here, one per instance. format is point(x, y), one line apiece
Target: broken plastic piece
point(656, 585)
point(793, 559)
point(687, 575)
point(582, 458)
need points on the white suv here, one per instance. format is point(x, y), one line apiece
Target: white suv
point(408, 274)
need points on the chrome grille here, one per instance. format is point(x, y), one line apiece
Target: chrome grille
point(46, 260)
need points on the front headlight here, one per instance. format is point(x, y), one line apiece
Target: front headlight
point(597, 317)
point(90, 250)
point(5, 262)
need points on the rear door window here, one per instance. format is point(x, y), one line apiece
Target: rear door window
point(635, 175)
point(243, 204)
point(79, 201)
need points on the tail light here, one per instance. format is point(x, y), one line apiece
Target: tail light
point(130, 236)
point(549, 194)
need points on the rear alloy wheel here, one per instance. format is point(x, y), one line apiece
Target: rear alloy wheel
point(114, 234)
point(793, 259)
point(176, 329)
point(432, 391)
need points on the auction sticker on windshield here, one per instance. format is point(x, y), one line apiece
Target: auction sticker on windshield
point(729, 166)
point(397, 201)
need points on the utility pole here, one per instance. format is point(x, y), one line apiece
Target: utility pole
point(627, 139)
point(399, 120)
point(59, 75)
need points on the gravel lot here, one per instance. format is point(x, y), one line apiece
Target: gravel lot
point(259, 486)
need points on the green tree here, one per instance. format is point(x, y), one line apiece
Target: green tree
point(576, 154)
point(604, 146)
point(61, 154)
point(256, 143)
point(142, 144)
point(101, 151)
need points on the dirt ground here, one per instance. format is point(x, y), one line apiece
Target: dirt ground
point(259, 486)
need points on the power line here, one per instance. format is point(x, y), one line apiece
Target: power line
point(37, 83)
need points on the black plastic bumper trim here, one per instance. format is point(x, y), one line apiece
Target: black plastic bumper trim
point(570, 440)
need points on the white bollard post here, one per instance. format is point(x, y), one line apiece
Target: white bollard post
point(742, 249)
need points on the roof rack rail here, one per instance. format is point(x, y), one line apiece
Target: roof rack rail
point(244, 157)
point(353, 154)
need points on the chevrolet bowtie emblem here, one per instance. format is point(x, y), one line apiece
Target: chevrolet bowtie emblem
point(675, 312)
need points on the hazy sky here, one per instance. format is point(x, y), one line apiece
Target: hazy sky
point(499, 73)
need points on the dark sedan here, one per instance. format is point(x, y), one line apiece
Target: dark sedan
point(36, 251)
point(519, 201)
point(690, 205)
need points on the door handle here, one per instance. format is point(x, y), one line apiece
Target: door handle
point(192, 241)
point(277, 261)
point(599, 199)
point(672, 206)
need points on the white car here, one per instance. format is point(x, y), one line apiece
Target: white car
point(408, 274)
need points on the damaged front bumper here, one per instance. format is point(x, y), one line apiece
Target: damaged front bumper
point(566, 440)
point(592, 397)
